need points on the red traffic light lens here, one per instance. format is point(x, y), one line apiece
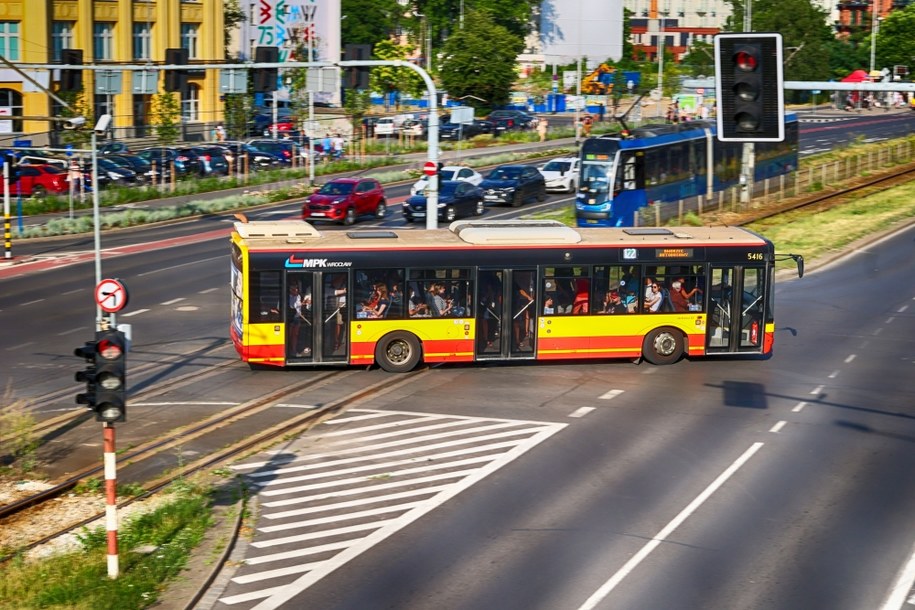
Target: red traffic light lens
point(745, 61)
point(109, 350)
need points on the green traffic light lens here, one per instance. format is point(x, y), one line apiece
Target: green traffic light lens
point(746, 92)
point(109, 382)
point(746, 122)
point(109, 412)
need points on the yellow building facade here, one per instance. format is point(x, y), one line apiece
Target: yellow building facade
point(109, 33)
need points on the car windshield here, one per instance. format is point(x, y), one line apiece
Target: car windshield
point(53, 169)
point(501, 173)
point(557, 166)
point(336, 188)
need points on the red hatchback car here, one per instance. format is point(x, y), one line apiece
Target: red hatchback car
point(343, 199)
point(40, 180)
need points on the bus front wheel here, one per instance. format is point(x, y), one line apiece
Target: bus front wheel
point(663, 346)
point(398, 352)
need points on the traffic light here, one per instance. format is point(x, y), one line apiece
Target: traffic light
point(265, 78)
point(356, 77)
point(72, 79)
point(176, 80)
point(110, 376)
point(749, 86)
point(87, 352)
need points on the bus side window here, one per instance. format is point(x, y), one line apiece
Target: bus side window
point(266, 295)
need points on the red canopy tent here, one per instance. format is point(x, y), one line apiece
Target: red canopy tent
point(858, 76)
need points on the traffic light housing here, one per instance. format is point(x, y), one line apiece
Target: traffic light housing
point(71, 79)
point(110, 376)
point(356, 77)
point(265, 79)
point(176, 80)
point(87, 375)
point(749, 84)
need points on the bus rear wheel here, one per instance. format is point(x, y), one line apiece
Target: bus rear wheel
point(398, 352)
point(663, 346)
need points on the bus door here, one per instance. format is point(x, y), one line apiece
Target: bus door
point(332, 318)
point(736, 309)
point(506, 315)
point(299, 317)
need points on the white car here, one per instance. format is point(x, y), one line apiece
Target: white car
point(561, 174)
point(386, 126)
point(450, 172)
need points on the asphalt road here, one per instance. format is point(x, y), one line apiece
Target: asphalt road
point(784, 483)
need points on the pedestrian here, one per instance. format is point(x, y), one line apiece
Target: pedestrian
point(541, 129)
point(586, 123)
point(220, 133)
point(600, 112)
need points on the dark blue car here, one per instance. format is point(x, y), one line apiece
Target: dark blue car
point(513, 184)
point(455, 199)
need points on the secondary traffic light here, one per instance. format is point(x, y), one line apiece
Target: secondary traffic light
point(356, 77)
point(71, 79)
point(87, 352)
point(110, 376)
point(265, 79)
point(176, 80)
point(749, 86)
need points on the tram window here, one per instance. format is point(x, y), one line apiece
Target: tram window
point(627, 178)
point(266, 294)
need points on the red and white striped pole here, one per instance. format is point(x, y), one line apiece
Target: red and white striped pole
point(111, 500)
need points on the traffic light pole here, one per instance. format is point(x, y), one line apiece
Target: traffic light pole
point(111, 500)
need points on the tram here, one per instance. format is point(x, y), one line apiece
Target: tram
point(482, 291)
point(662, 163)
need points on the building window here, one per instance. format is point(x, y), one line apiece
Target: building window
point(11, 102)
point(142, 41)
point(189, 39)
point(190, 105)
point(61, 38)
point(9, 40)
point(103, 42)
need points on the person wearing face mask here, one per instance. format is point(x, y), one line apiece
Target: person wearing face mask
point(679, 296)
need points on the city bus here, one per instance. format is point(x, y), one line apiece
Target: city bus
point(621, 175)
point(481, 291)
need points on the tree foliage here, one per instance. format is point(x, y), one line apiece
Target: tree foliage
point(369, 21)
point(804, 28)
point(479, 60)
point(895, 42)
point(166, 111)
point(387, 79)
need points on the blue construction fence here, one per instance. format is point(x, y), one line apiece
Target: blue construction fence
point(552, 102)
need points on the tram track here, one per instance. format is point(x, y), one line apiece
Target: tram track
point(248, 443)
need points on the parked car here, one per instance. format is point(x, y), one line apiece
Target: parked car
point(256, 159)
point(417, 128)
point(513, 184)
point(110, 173)
point(455, 131)
point(210, 160)
point(385, 126)
point(561, 174)
point(520, 118)
point(263, 119)
point(344, 199)
point(449, 172)
point(284, 150)
point(163, 156)
point(113, 148)
point(455, 199)
point(40, 180)
point(143, 168)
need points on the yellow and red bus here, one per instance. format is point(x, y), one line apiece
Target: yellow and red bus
point(497, 291)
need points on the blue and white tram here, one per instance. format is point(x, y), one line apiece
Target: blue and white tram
point(662, 163)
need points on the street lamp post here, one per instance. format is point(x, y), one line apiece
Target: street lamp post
point(875, 29)
point(660, 62)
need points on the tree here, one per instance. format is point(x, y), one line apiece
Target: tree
point(388, 79)
point(232, 16)
point(369, 21)
point(699, 59)
point(803, 26)
point(479, 60)
point(238, 109)
point(895, 44)
point(166, 111)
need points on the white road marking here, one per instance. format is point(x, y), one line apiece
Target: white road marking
point(611, 394)
point(173, 301)
point(581, 412)
point(849, 359)
point(817, 390)
point(902, 309)
point(400, 469)
point(605, 589)
point(833, 374)
point(777, 427)
point(133, 313)
point(902, 586)
point(798, 407)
